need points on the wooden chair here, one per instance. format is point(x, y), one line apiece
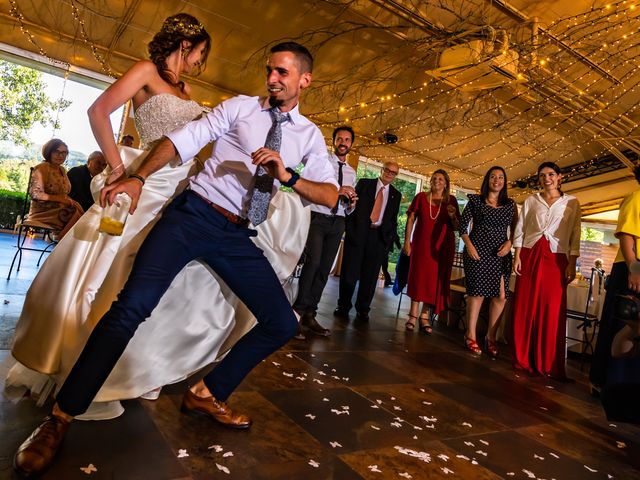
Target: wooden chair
point(26, 227)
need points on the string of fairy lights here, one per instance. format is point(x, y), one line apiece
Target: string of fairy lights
point(554, 103)
point(16, 13)
point(614, 17)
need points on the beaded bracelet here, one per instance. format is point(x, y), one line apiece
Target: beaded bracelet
point(137, 177)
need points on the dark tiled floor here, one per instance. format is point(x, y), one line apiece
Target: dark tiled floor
point(371, 401)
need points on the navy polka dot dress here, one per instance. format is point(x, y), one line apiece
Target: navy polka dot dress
point(489, 230)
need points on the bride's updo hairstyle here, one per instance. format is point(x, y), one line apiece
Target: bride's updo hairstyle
point(175, 29)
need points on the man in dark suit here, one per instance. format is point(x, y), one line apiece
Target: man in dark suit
point(370, 231)
point(80, 178)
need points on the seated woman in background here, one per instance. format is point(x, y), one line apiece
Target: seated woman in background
point(486, 228)
point(51, 204)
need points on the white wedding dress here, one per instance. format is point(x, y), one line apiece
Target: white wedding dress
point(83, 275)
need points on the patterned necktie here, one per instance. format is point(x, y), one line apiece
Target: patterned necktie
point(334, 210)
point(377, 206)
point(262, 189)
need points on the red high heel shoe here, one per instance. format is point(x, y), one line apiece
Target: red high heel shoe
point(472, 346)
point(491, 347)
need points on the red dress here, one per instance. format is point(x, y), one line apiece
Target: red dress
point(432, 252)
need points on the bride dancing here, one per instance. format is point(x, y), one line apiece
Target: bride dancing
point(83, 275)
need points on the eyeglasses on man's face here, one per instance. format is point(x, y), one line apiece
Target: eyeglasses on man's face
point(388, 171)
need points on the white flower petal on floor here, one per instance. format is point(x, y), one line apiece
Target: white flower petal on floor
point(404, 475)
point(374, 468)
point(592, 470)
point(222, 468)
point(375, 427)
point(621, 444)
point(313, 463)
point(484, 442)
point(311, 416)
point(423, 456)
point(89, 469)
point(335, 444)
point(227, 454)
point(537, 457)
point(446, 470)
point(182, 453)
point(467, 424)
point(554, 455)
point(216, 448)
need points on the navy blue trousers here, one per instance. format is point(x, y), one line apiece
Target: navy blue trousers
point(189, 229)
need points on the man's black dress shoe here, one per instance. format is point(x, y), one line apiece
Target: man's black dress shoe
point(362, 316)
point(338, 312)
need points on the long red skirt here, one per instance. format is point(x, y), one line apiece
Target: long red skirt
point(540, 311)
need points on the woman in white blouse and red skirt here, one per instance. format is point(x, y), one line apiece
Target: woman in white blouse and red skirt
point(547, 244)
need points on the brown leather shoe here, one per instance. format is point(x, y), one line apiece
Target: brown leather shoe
point(312, 324)
point(38, 451)
point(214, 409)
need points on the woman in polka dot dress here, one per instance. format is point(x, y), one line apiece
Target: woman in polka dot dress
point(486, 228)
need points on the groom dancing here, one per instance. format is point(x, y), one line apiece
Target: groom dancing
point(208, 221)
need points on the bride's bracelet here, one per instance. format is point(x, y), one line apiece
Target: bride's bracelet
point(118, 168)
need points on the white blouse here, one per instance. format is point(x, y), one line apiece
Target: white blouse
point(559, 223)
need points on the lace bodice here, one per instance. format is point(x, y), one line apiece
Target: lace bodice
point(161, 114)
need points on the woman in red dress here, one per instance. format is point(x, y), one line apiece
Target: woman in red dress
point(547, 243)
point(432, 220)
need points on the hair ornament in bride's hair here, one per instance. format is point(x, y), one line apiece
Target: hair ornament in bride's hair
point(178, 24)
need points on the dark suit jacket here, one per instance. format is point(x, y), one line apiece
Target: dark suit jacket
point(359, 222)
point(80, 179)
